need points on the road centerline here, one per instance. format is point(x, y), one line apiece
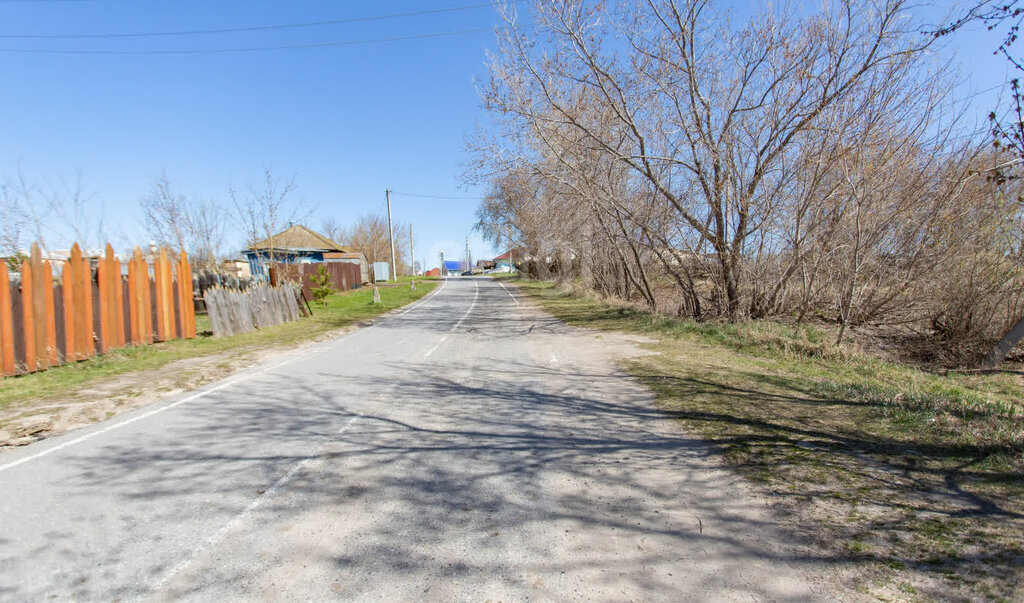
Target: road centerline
point(238, 519)
point(476, 294)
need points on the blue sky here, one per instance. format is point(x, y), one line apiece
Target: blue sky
point(347, 121)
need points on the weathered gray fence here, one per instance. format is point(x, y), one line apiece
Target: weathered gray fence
point(232, 311)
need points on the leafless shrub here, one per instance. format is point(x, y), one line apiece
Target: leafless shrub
point(801, 163)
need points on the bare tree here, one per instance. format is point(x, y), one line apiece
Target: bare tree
point(206, 232)
point(175, 221)
point(74, 209)
point(1004, 17)
point(798, 163)
point(267, 208)
point(333, 230)
point(166, 214)
point(369, 236)
point(703, 116)
point(49, 210)
point(15, 222)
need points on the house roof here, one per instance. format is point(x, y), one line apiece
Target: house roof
point(453, 264)
point(347, 255)
point(518, 251)
point(298, 237)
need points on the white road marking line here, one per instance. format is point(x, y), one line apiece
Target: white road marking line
point(92, 435)
point(417, 304)
point(509, 292)
point(249, 374)
point(476, 293)
point(244, 514)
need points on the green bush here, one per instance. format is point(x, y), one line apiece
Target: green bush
point(323, 286)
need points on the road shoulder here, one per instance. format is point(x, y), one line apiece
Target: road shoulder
point(98, 398)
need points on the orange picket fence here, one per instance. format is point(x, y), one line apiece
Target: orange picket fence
point(92, 308)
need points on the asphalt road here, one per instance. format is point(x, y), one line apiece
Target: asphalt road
point(466, 448)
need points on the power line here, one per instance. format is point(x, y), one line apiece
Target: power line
point(248, 49)
point(223, 30)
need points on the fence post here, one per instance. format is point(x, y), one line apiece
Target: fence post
point(39, 283)
point(186, 309)
point(158, 298)
point(147, 302)
point(81, 274)
point(135, 283)
point(51, 314)
point(133, 293)
point(6, 323)
point(112, 312)
point(70, 328)
point(168, 293)
point(117, 297)
point(164, 299)
point(101, 283)
point(27, 310)
point(190, 305)
point(37, 299)
point(106, 305)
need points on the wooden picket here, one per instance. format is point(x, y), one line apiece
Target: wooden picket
point(44, 323)
point(68, 290)
point(146, 325)
point(40, 282)
point(6, 324)
point(138, 300)
point(28, 324)
point(105, 305)
point(186, 311)
point(118, 298)
point(81, 306)
point(108, 277)
point(51, 315)
point(164, 299)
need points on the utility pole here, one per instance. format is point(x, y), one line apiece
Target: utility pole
point(391, 235)
point(444, 269)
point(468, 260)
point(412, 253)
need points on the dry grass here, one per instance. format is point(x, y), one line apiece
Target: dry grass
point(915, 479)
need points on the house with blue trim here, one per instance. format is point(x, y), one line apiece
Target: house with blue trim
point(511, 259)
point(298, 245)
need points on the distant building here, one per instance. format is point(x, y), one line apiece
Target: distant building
point(434, 272)
point(453, 266)
point(295, 245)
point(511, 258)
point(237, 268)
